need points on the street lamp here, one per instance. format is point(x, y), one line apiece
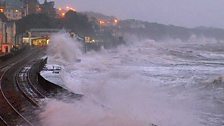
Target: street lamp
point(62, 14)
point(67, 7)
point(116, 21)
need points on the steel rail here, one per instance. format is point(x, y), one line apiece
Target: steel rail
point(32, 85)
point(8, 102)
point(3, 121)
point(25, 72)
point(10, 65)
point(18, 84)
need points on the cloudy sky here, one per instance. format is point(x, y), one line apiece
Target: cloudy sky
point(190, 13)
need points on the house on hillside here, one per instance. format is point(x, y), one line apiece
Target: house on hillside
point(14, 9)
point(32, 6)
point(48, 8)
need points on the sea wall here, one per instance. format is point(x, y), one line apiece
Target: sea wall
point(52, 89)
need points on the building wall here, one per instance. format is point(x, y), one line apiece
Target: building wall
point(2, 32)
point(1, 35)
point(11, 32)
point(10, 10)
point(7, 35)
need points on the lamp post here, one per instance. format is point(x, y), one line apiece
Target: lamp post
point(116, 27)
point(29, 36)
point(116, 21)
point(102, 23)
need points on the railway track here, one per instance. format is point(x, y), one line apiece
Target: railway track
point(17, 93)
point(3, 122)
point(10, 107)
point(26, 86)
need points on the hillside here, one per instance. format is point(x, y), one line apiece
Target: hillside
point(160, 31)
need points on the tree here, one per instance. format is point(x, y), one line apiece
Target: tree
point(78, 23)
point(37, 21)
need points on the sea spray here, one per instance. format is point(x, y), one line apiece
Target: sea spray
point(63, 49)
point(137, 85)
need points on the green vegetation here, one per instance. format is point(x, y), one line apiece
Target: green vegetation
point(157, 31)
point(76, 22)
point(37, 21)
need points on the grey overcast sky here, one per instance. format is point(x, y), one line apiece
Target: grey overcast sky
point(189, 13)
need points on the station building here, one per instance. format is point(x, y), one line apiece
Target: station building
point(38, 37)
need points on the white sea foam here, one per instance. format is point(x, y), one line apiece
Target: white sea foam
point(165, 83)
point(63, 50)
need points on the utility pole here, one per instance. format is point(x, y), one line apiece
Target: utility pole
point(29, 35)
